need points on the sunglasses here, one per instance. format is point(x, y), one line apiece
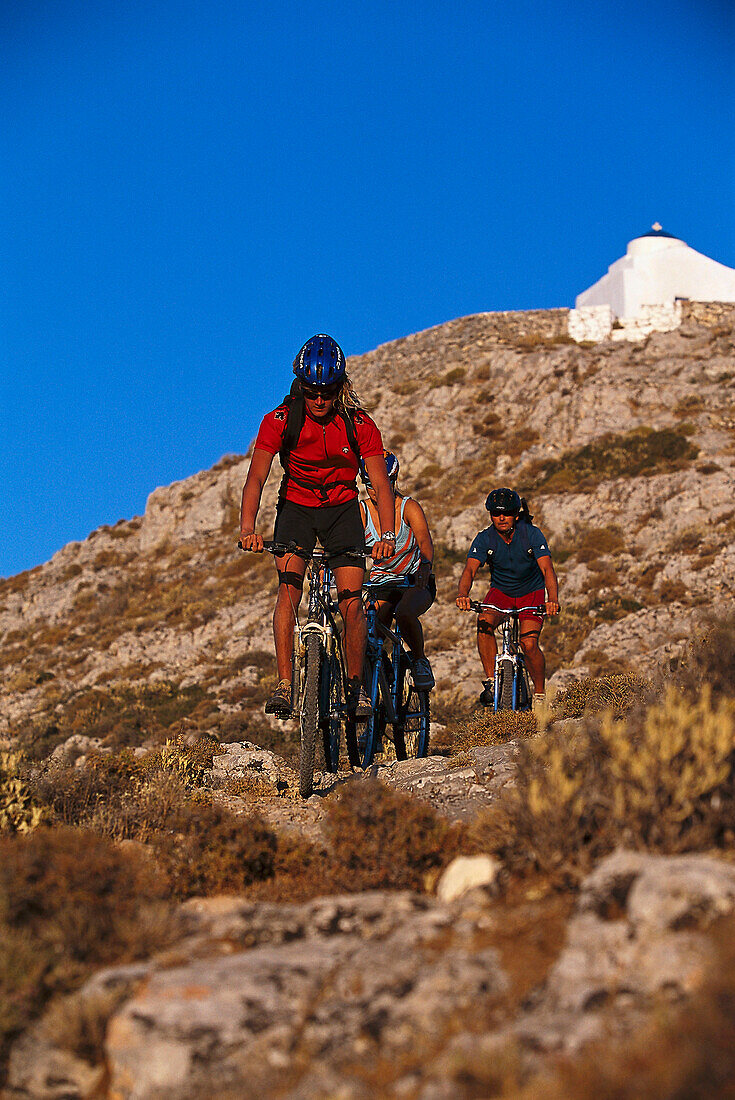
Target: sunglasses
point(313, 392)
point(494, 513)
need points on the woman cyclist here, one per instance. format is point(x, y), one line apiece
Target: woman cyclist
point(321, 435)
point(412, 560)
point(521, 567)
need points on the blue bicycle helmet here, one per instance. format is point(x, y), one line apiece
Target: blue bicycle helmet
point(321, 362)
point(504, 501)
point(391, 466)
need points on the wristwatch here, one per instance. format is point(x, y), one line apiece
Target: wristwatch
point(388, 536)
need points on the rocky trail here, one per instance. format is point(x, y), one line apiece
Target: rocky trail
point(432, 995)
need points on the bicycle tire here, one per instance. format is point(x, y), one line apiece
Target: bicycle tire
point(309, 715)
point(413, 726)
point(370, 736)
point(330, 710)
point(523, 701)
point(505, 689)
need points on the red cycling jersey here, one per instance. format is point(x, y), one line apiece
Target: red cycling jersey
point(322, 464)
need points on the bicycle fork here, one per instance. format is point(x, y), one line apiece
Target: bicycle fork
point(506, 662)
point(300, 634)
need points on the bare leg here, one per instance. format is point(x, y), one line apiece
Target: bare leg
point(291, 575)
point(486, 645)
point(412, 604)
point(535, 661)
point(349, 588)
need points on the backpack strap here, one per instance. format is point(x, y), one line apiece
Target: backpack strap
point(522, 532)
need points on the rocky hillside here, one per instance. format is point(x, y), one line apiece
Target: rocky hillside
point(625, 451)
point(536, 911)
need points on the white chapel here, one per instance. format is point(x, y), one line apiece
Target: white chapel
point(656, 270)
point(645, 289)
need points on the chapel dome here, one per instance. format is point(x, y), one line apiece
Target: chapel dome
point(655, 240)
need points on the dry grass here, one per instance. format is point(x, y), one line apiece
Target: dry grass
point(488, 728)
point(618, 694)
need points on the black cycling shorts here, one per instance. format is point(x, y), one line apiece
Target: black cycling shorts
point(337, 526)
point(394, 594)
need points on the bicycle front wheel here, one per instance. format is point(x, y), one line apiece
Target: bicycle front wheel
point(372, 732)
point(504, 681)
point(411, 731)
point(309, 715)
point(330, 716)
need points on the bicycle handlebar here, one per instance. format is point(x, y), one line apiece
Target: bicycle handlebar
point(278, 549)
point(476, 606)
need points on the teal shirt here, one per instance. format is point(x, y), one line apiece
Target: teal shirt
point(514, 571)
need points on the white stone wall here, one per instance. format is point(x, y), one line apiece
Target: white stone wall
point(590, 323)
point(649, 319)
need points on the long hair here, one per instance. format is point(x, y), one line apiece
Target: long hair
point(347, 399)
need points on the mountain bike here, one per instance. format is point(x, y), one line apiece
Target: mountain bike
point(513, 690)
point(318, 669)
point(395, 698)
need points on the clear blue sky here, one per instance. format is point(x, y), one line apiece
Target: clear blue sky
point(188, 190)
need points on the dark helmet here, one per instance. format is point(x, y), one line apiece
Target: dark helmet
point(391, 466)
point(321, 362)
point(503, 500)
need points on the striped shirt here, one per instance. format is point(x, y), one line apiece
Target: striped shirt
point(407, 556)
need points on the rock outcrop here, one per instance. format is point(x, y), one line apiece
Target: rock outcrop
point(263, 1000)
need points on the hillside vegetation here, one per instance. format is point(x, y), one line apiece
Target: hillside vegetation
point(625, 452)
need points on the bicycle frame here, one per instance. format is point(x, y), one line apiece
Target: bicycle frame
point(511, 652)
point(377, 635)
point(320, 621)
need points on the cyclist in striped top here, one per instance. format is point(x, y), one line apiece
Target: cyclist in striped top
point(413, 559)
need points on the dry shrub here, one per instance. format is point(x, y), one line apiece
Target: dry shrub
point(189, 757)
point(382, 839)
point(74, 795)
point(489, 728)
point(587, 543)
point(684, 1054)
point(686, 406)
point(671, 591)
point(593, 694)
point(70, 901)
point(663, 781)
point(563, 636)
point(643, 451)
point(19, 810)
point(710, 658)
point(123, 715)
point(206, 849)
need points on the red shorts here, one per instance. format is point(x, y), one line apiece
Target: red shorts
point(531, 599)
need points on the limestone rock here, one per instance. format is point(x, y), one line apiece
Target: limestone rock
point(467, 873)
point(637, 936)
point(243, 758)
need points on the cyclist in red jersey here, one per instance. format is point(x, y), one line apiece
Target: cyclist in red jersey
point(318, 499)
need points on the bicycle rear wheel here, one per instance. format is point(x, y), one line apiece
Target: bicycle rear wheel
point(330, 710)
point(411, 731)
point(309, 715)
